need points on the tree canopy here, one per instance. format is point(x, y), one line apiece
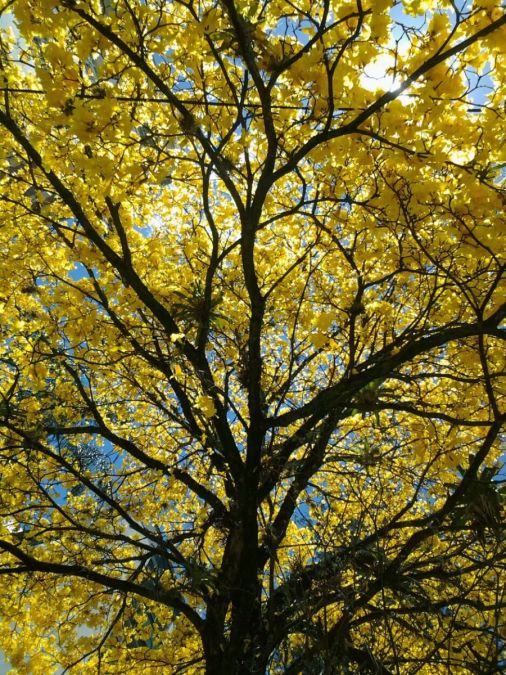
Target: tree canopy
point(253, 370)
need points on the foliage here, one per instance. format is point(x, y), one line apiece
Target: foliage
point(252, 372)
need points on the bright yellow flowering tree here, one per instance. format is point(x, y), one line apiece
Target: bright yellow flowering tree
point(253, 369)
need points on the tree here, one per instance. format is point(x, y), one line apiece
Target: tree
point(252, 382)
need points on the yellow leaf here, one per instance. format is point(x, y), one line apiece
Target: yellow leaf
point(324, 320)
point(318, 339)
point(206, 405)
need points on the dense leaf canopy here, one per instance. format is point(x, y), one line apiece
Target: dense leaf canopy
point(253, 371)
